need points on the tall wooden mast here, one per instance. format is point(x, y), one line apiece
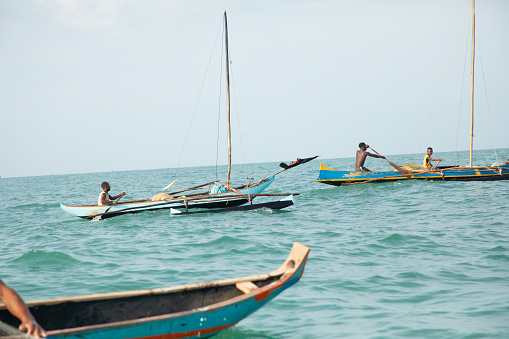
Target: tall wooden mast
point(228, 101)
point(472, 94)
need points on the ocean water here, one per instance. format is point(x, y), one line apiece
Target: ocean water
point(410, 259)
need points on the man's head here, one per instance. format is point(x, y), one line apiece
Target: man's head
point(429, 150)
point(105, 186)
point(362, 146)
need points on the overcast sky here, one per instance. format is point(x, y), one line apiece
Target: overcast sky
point(93, 86)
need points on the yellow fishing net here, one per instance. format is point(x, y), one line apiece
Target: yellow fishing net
point(410, 166)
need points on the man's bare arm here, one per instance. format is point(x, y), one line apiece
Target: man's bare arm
point(19, 309)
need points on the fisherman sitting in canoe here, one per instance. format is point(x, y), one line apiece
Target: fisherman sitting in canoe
point(17, 307)
point(428, 159)
point(105, 198)
point(360, 157)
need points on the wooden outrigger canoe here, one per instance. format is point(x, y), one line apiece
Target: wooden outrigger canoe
point(180, 200)
point(188, 311)
point(457, 173)
point(226, 196)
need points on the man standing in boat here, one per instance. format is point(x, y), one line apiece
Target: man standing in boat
point(105, 198)
point(361, 155)
point(427, 158)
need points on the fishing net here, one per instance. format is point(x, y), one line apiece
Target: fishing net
point(7, 331)
point(410, 166)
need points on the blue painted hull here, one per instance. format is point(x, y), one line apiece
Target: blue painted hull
point(218, 200)
point(338, 178)
point(230, 304)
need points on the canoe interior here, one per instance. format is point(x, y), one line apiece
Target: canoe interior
point(78, 313)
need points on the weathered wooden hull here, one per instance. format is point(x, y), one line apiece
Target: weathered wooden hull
point(337, 178)
point(219, 200)
point(188, 311)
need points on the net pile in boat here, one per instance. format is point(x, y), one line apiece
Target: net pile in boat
point(7, 331)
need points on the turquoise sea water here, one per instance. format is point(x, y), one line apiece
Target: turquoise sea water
point(408, 259)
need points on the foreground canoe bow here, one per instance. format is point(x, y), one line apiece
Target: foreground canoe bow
point(186, 311)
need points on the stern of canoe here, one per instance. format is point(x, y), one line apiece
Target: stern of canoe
point(473, 174)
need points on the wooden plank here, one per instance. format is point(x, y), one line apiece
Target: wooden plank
point(246, 286)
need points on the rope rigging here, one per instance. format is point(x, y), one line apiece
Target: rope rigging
point(197, 101)
point(236, 111)
point(478, 47)
point(461, 94)
point(488, 104)
point(222, 29)
point(440, 87)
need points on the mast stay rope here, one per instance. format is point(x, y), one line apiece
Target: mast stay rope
point(197, 100)
point(440, 87)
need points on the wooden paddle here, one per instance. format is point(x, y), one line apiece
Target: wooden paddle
point(100, 217)
point(399, 169)
point(435, 167)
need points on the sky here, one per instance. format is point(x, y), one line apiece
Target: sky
point(113, 85)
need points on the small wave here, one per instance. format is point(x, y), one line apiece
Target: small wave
point(398, 239)
point(394, 239)
point(498, 257)
point(498, 248)
point(413, 298)
point(220, 241)
point(35, 205)
point(45, 259)
point(453, 276)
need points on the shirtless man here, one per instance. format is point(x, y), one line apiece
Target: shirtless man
point(17, 307)
point(361, 155)
point(105, 198)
